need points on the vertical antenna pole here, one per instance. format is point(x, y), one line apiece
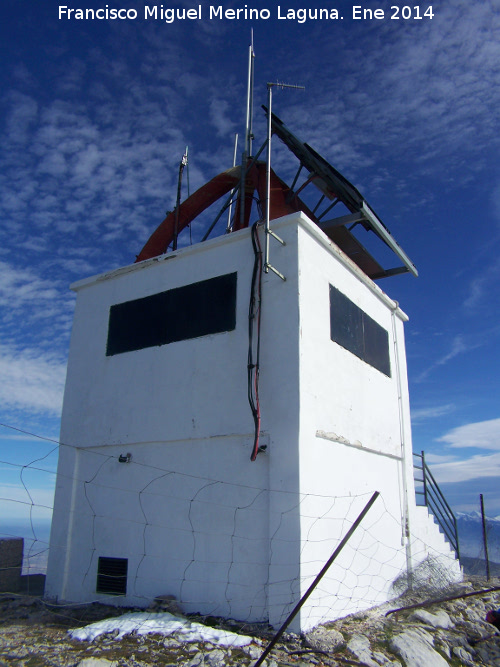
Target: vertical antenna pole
point(228, 226)
point(248, 130)
point(249, 118)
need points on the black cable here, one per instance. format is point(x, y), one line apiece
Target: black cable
point(254, 311)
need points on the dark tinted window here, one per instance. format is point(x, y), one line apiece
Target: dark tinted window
point(357, 332)
point(178, 314)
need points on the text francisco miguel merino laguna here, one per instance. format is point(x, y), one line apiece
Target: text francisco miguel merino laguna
point(169, 14)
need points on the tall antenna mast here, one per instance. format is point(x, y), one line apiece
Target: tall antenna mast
point(247, 151)
point(249, 119)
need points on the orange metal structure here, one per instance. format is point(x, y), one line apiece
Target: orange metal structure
point(283, 202)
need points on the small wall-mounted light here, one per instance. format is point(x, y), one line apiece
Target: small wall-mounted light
point(124, 458)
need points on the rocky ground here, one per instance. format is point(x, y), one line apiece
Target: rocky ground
point(447, 633)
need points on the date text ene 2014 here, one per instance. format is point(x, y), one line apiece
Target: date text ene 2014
point(397, 12)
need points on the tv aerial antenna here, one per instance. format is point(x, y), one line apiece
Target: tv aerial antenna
point(268, 230)
point(247, 152)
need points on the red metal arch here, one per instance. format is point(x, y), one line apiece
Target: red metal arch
point(209, 193)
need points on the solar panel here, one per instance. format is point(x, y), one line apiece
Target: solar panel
point(335, 186)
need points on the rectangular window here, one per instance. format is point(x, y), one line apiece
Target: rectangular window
point(112, 576)
point(190, 311)
point(357, 332)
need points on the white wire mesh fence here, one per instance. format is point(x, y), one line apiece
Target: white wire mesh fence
point(220, 548)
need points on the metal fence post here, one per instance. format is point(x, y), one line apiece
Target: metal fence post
point(485, 539)
point(324, 570)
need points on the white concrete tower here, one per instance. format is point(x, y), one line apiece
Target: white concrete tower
point(156, 493)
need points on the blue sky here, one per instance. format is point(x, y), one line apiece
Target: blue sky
point(95, 116)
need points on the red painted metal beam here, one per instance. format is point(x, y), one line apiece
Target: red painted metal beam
point(190, 209)
point(209, 193)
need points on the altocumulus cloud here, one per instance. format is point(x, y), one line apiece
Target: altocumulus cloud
point(424, 94)
point(31, 380)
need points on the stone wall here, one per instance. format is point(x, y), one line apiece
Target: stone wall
point(11, 562)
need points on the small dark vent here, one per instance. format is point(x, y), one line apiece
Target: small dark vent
point(112, 576)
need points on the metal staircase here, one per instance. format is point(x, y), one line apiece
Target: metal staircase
point(427, 490)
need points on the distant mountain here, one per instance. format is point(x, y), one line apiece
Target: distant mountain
point(475, 516)
point(470, 534)
point(477, 566)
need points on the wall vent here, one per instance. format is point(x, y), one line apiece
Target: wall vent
point(112, 576)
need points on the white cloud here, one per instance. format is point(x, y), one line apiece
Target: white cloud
point(417, 96)
point(422, 414)
point(458, 346)
point(20, 286)
point(480, 435)
point(36, 310)
point(220, 119)
point(462, 470)
point(447, 466)
point(485, 435)
point(22, 117)
point(31, 380)
point(482, 286)
point(435, 459)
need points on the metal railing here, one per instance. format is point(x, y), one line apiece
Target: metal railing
point(435, 501)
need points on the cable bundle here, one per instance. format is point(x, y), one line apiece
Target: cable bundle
point(254, 312)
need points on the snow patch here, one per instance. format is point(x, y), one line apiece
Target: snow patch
point(161, 623)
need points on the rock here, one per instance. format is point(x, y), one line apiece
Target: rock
point(324, 639)
point(476, 628)
point(253, 651)
point(466, 640)
point(196, 660)
point(415, 646)
point(464, 656)
point(475, 615)
point(216, 658)
point(359, 645)
point(97, 662)
point(166, 603)
point(439, 619)
point(490, 652)
point(443, 646)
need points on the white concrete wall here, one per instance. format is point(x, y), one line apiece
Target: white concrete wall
point(213, 536)
point(341, 393)
point(193, 515)
point(350, 440)
point(202, 540)
point(139, 396)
